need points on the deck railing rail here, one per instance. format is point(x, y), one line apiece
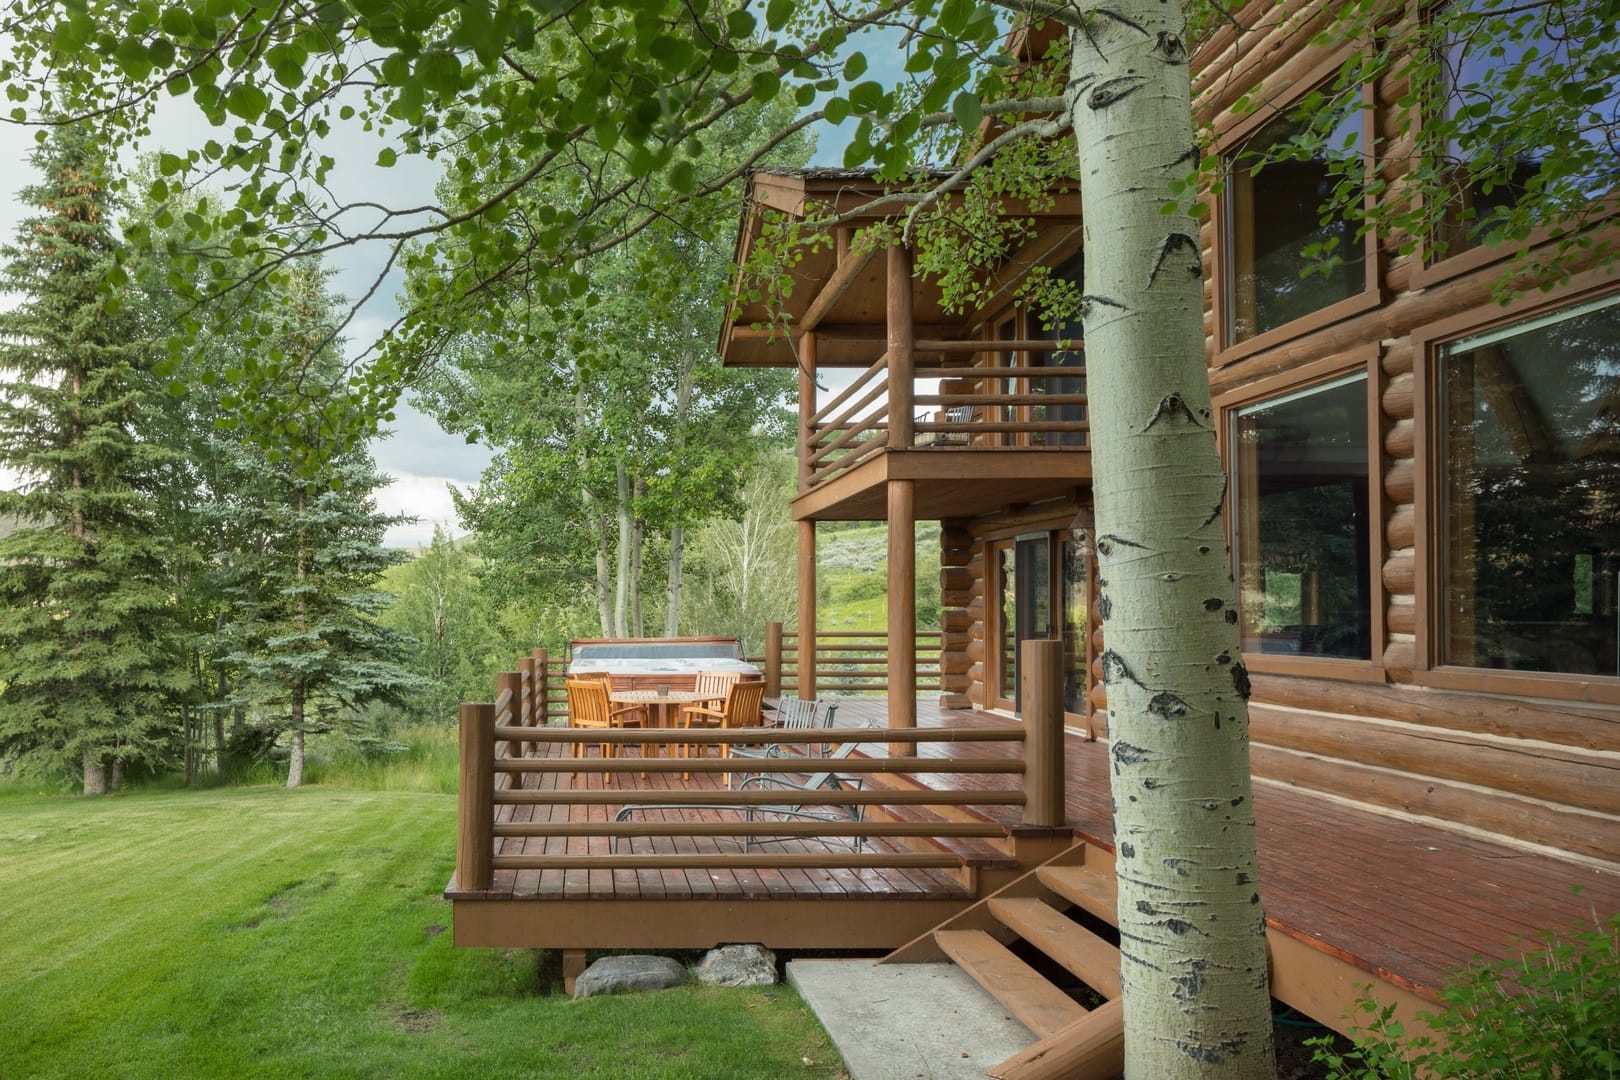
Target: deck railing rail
point(846, 661)
point(1018, 404)
point(501, 743)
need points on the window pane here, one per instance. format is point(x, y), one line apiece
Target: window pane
point(1062, 329)
point(1531, 470)
point(1273, 216)
point(1076, 623)
point(1492, 69)
point(1302, 543)
point(1007, 624)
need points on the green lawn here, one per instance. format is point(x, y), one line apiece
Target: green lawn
point(260, 932)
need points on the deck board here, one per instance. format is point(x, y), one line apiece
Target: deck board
point(1407, 900)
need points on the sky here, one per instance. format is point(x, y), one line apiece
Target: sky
point(422, 459)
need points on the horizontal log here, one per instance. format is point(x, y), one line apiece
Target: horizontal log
point(1397, 359)
point(955, 664)
point(1400, 657)
point(765, 765)
point(1400, 574)
point(1593, 727)
point(1401, 618)
point(743, 799)
point(1010, 427)
point(959, 599)
point(783, 861)
point(955, 619)
point(955, 577)
point(1401, 529)
point(1401, 439)
point(1583, 833)
point(1554, 775)
point(955, 556)
point(969, 346)
point(1400, 482)
point(1397, 400)
point(941, 828)
point(715, 736)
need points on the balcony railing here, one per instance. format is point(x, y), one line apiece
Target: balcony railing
point(1021, 405)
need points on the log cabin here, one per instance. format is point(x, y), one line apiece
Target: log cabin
point(1424, 508)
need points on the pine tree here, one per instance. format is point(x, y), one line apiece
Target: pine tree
point(84, 654)
point(307, 599)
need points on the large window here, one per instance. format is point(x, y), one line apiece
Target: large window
point(1067, 388)
point(1076, 622)
point(1302, 541)
point(1496, 119)
point(1530, 527)
point(1282, 261)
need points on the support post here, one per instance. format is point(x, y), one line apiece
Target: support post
point(1041, 697)
point(807, 404)
point(807, 611)
point(475, 811)
point(902, 668)
point(901, 348)
point(773, 659)
point(508, 695)
point(542, 686)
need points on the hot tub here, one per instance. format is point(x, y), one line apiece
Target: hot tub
point(643, 662)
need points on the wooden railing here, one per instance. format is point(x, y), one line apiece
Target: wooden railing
point(501, 743)
point(846, 661)
point(1005, 407)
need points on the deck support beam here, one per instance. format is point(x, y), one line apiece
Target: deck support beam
point(902, 497)
point(475, 817)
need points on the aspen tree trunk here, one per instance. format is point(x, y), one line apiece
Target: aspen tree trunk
point(672, 595)
point(593, 519)
point(95, 774)
point(677, 531)
point(295, 759)
point(621, 595)
point(1192, 935)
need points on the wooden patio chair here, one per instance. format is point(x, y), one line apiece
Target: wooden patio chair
point(589, 707)
point(740, 709)
point(713, 684)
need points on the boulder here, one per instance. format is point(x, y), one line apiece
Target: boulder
point(628, 974)
point(738, 965)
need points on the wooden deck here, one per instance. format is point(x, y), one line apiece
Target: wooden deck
point(1405, 901)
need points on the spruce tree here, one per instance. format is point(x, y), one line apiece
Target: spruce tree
point(307, 618)
point(84, 655)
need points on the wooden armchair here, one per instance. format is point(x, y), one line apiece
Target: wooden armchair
point(740, 709)
point(589, 707)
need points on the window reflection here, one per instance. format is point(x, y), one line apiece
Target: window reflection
point(1274, 216)
point(1301, 514)
point(1531, 467)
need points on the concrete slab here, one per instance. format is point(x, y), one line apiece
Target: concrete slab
point(908, 1021)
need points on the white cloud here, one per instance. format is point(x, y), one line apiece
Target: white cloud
point(426, 498)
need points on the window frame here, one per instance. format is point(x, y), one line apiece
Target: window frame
point(1424, 272)
point(1230, 143)
point(1008, 540)
point(1428, 668)
point(1362, 360)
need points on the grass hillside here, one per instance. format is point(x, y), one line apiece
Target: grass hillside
point(852, 579)
point(258, 932)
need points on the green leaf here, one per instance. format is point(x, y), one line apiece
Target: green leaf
point(967, 110)
point(765, 84)
point(246, 101)
point(777, 13)
point(866, 97)
point(440, 72)
point(386, 157)
point(854, 67)
point(682, 178)
point(837, 110)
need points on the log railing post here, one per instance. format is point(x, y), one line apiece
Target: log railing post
point(806, 676)
point(508, 695)
point(542, 686)
point(773, 659)
point(1041, 700)
point(526, 713)
point(475, 813)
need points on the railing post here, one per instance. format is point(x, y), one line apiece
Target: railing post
point(1041, 700)
point(542, 686)
point(508, 693)
point(526, 709)
point(806, 679)
point(773, 659)
point(475, 814)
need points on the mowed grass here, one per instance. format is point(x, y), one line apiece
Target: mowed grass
point(257, 932)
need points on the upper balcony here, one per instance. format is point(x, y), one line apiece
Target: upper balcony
point(980, 410)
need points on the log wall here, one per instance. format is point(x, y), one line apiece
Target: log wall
point(1513, 761)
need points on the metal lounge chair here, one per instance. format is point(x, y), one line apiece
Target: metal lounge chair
point(795, 714)
point(787, 808)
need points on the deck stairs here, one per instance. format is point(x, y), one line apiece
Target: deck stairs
point(1043, 929)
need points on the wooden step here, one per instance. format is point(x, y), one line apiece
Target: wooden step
point(1042, 1007)
point(1083, 954)
point(1091, 1048)
point(1085, 888)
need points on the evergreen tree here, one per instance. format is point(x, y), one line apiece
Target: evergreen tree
point(84, 609)
point(306, 599)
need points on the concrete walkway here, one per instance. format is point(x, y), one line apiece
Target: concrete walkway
point(908, 1021)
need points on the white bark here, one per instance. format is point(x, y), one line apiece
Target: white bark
point(1191, 928)
point(621, 591)
point(95, 774)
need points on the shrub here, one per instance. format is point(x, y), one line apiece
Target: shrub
point(1552, 1013)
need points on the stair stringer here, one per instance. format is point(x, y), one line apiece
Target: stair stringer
point(923, 949)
